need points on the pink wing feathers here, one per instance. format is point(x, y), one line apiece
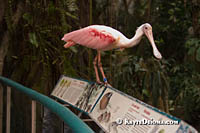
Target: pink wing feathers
point(90, 37)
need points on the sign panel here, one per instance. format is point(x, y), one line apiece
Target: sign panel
point(123, 114)
point(115, 111)
point(78, 93)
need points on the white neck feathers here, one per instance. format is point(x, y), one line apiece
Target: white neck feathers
point(137, 37)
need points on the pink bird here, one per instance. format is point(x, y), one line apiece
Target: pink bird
point(104, 38)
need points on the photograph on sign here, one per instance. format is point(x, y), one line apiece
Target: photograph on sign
point(89, 97)
point(109, 108)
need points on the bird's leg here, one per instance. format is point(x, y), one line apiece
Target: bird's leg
point(96, 70)
point(100, 68)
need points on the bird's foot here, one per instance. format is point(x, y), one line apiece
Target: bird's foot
point(105, 83)
point(99, 82)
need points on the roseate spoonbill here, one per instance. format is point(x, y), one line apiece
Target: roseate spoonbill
point(103, 38)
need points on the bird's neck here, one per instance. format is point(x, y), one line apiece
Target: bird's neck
point(136, 39)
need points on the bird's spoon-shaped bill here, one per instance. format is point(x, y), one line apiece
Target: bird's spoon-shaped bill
point(156, 53)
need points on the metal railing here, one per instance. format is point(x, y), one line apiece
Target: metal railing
point(75, 123)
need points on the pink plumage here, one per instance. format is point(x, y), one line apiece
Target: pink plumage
point(90, 37)
point(104, 38)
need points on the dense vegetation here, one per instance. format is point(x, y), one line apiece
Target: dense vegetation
point(32, 53)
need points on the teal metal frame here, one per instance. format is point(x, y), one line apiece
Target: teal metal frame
point(74, 122)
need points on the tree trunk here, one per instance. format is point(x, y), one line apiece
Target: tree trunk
point(2, 9)
point(3, 51)
point(148, 11)
point(195, 17)
point(89, 50)
point(4, 44)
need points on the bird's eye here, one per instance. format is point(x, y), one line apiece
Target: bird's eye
point(146, 28)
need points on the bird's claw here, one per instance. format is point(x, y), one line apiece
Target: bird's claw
point(99, 82)
point(105, 83)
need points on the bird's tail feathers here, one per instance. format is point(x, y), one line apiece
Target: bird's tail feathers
point(69, 44)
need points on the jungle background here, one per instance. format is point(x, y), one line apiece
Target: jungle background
point(32, 53)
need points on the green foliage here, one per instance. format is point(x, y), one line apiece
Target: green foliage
point(193, 46)
point(41, 28)
point(145, 79)
point(185, 89)
point(33, 39)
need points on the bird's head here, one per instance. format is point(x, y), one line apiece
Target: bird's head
point(147, 30)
